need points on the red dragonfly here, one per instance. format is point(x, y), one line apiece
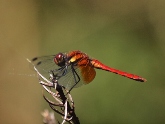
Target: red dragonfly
point(74, 68)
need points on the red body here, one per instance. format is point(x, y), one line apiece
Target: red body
point(84, 61)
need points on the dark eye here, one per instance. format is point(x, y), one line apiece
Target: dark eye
point(59, 59)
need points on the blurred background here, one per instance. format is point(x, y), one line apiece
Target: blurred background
point(127, 35)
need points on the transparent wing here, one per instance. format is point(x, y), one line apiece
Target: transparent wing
point(45, 64)
point(70, 76)
point(67, 76)
point(77, 76)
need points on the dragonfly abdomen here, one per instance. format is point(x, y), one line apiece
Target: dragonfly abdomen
point(97, 64)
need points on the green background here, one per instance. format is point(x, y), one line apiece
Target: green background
point(127, 35)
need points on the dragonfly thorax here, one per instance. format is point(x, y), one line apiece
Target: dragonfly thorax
point(60, 60)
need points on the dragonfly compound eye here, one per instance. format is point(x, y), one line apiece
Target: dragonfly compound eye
point(59, 59)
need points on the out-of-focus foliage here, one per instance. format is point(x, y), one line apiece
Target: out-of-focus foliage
point(127, 35)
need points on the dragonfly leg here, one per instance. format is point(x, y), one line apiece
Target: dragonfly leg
point(62, 69)
point(75, 79)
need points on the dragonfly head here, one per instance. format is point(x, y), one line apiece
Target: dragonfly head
point(59, 59)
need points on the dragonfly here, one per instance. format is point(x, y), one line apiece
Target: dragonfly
point(75, 68)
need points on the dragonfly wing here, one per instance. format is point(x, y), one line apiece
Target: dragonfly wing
point(70, 76)
point(76, 76)
point(88, 73)
point(67, 77)
point(45, 64)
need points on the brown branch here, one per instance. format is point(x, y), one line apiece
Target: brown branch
point(63, 101)
point(70, 109)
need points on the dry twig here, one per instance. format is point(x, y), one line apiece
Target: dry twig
point(63, 104)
